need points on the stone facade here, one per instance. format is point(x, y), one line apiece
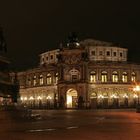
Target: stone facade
point(86, 74)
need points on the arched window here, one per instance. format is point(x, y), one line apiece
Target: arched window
point(124, 77)
point(49, 78)
point(104, 76)
point(74, 74)
point(93, 95)
point(29, 81)
point(133, 77)
point(41, 82)
point(115, 76)
point(56, 78)
point(34, 80)
point(92, 76)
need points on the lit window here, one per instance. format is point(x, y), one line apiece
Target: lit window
point(92, 77)
point(124, 77)
point(34, 80)
point(41, 79)
point(56, 77)
point(115, 77)
point(49, 79)
point(104, 76)
point(133, 77)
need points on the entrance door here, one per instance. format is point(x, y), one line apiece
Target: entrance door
point(93, 100)
point(105, 102)
point(71, 98)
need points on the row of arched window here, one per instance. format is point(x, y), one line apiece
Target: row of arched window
point(49, 79)
point(40, 80)
point(115, 77)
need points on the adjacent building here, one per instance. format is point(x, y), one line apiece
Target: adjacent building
point(85, 74)
point(8, 89)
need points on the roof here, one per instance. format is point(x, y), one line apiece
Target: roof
point(93, 42)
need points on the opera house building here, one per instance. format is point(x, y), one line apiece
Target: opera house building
point(86, 74)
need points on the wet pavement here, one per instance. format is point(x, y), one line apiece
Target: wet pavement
point(72, 125)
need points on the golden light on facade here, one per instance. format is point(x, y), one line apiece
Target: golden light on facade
point(135, 96)
point(114, 96)
point(39, 98)
point(125, 96)
point(31, 98)
point(69, 100)
point(101, 96)
point(137, 88)
point(25, 98)
point(49, 98)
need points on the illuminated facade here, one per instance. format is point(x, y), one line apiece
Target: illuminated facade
point(86, 74)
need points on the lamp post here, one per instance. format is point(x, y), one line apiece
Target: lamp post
point(137, 89)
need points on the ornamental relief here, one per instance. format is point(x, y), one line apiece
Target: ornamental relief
point(72, 59)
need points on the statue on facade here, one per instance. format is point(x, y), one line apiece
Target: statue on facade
point(2, 42)
point(72, 40)
point(72, 37)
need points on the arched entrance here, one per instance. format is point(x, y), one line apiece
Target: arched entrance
point(71, 98)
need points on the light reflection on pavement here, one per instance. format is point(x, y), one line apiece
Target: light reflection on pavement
point(73, 124)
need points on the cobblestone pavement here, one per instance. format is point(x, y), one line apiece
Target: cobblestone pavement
point(71, 125)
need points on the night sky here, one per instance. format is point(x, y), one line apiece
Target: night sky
point(35, 26)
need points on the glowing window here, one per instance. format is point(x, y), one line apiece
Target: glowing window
point(115, 77)
point(104, 76)
point(56, 77)
point(124, 77)
point(41, 79)
point(34, 80)
point(92, 77)
point(49, 78)
point(133, 77)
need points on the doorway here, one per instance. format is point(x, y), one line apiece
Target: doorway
point(71, 97)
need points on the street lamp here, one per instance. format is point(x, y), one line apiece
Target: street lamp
point(137, 89)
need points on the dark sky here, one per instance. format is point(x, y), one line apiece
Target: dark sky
point(34, 26)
